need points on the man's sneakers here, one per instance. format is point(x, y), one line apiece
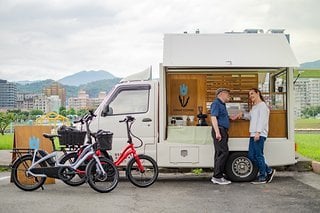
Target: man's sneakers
point(268, 179)
point(259, 181)
point(220, 181)
point(270, 175)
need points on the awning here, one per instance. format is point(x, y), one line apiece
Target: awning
point(228, 50)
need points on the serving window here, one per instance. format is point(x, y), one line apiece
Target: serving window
point(187, 92)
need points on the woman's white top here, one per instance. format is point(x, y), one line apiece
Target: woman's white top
point(259, 119)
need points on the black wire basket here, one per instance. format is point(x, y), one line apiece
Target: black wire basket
point(69, 136)
point(104, 139)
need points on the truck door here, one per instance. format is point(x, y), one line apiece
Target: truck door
point(136, 100)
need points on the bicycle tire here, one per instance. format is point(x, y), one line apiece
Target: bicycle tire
point(146, 178)
point(23, 180)
point(100, 183)
point(72, 178)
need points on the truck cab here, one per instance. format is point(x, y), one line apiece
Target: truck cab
point(138, 98)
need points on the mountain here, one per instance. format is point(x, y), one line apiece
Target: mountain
point(26, 82)
point(85, 77)
point(93, 88)
point(33, 87)
point(311, 65)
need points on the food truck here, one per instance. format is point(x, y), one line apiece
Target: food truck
point(173, 113)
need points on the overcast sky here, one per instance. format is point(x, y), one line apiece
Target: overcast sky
point(50, 39)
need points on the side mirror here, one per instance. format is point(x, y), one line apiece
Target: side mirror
point(107, 111)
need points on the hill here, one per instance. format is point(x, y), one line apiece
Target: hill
point(85, 77)
point(93, 88)
point(33, 87)
point(311, 65)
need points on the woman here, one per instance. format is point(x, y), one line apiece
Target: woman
point(259, 127)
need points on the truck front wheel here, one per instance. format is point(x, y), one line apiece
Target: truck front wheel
point(239, 167)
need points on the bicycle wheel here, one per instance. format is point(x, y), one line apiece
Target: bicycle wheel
point(98, 181)
point(21, 178)
point(142, 178)
point(71, 177)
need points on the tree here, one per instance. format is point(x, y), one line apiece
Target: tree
point(33, 113)
point(71, 111)
point(5, 120)
point(36, 112)
point(63, 111)
point(311, 111)
point(82, 112)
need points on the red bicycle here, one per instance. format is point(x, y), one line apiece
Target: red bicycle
point(142, 170)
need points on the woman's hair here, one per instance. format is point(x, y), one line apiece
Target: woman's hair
point(259, 92)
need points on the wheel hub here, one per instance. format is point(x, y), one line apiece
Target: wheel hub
point(242, 167)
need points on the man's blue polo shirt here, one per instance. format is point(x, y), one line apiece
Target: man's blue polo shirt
point(219, 110)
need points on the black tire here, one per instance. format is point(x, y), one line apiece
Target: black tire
point(239, 167)
point(145, 178)
point(99, 182)
point(71, 177)
point(20, 177)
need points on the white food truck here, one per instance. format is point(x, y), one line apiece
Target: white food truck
point(167, 111)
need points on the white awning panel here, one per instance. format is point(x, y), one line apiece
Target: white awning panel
point(228, 50)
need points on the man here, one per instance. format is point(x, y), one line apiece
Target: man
point(220, 125)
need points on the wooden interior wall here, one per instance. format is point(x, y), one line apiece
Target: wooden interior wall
point(239, 85)
point(180, 104)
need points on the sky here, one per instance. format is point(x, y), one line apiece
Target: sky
point(51, 39)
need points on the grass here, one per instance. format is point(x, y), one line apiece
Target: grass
point(309, 145)
point(6, 141)
point(308, 74)
point(4, 169)
point(307, 124)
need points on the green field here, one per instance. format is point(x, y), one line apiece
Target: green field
point(308, 145)
point(308, 73)
point(6, 141)
point(307, 124)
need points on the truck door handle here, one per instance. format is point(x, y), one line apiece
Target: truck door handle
point(146, 120)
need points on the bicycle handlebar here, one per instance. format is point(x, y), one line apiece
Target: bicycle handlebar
point(87, 117)
point(128, 119)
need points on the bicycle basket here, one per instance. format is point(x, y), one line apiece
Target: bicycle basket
point(70, 136)
point(104, 139)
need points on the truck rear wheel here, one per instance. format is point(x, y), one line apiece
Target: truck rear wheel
point(239, 167)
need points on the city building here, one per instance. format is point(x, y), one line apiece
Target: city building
point(8, 95)
point(93, 103)
point(54, 103)
point(83, 101)
point(41, 103)
point(56, 89)
point(25, 101)
point(307, 92)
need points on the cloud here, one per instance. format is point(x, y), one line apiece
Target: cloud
point(51, 39)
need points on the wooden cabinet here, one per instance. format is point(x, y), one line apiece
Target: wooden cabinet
point(277, 126)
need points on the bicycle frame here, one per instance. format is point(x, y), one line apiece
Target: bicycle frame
point(42, 159)
point(86, 153)
point(127, 151)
